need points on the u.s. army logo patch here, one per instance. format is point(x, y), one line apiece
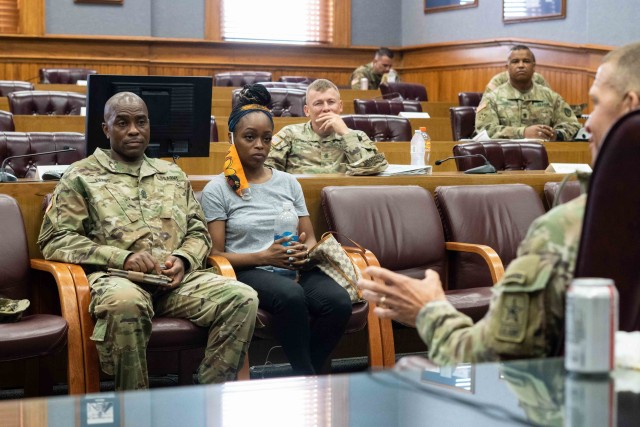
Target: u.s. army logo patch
point(513, 317)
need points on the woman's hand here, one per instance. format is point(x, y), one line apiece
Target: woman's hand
point(291, 257)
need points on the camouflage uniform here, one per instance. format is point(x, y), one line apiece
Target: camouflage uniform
point(374, 79)
point(526, 314)
point(299, 149)
point(503, 77)
point(101, 212)
point(506, 112)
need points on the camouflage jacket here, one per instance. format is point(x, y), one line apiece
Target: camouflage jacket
point(298, 149)
point(102, 211)
point(526, 313)
point(506, 112)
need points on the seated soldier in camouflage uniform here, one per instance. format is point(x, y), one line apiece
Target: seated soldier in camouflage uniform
point(522, 108)
point(118, 208)
point(324, 144)
point(377, 71)
point(526, 314)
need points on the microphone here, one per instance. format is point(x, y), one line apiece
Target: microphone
point(7, 177)
point(486, 168)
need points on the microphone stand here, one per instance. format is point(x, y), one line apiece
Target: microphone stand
point(484, 169)
point(7, 177)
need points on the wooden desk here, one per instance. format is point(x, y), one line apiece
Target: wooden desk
point(29, 194)
point(61, 87)
point(396, 153)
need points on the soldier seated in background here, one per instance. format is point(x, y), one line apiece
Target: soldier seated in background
point(526, 314)
point(118, 208)
point(324, 144)
point(521, 108)
point(377, 71)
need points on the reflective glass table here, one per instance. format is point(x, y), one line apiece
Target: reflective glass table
point(535, 392)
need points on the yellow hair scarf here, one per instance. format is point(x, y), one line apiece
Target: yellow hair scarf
point(234, 173)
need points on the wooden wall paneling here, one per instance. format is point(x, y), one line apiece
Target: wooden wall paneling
point(444, 68)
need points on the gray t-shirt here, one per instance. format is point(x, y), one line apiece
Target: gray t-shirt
point(249, 223)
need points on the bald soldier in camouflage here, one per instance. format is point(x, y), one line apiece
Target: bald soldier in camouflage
point(118, 208)
point(521, 108)
point(324, 144)
point(526, 313)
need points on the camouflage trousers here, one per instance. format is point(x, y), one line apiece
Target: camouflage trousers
point(123, 312)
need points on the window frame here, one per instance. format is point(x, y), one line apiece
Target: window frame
point(341, 23)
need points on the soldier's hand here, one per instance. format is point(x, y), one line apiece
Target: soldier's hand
point(544, 132)
point(174, 268)
point(332, 122)
point(400, 297)
point(142, 262)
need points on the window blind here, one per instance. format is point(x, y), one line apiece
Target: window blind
point(9, 16)
point(277, 21)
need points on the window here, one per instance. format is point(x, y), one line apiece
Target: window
point(279, 21)
point(9, 17)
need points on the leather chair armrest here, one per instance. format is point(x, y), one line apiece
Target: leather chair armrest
point(488, 254)
point(70, 312)
point(380, 330)
point(222, 266)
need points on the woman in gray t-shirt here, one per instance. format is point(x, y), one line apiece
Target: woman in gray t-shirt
point(310, 316)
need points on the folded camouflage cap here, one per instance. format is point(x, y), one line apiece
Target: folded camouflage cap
point(11, 309)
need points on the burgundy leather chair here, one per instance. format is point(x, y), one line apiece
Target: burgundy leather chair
point(504, 155)
point(20, 143)
point(463, 122)
point(497, 216)
point(214, 130)
point(409, 91)
point(469, 99)
point(241, 78)
point(284, 102)
point(297, 79)
point(10, 86)
point(6, 122)
point(390, 107)
point(64, 75)
point(570, 191)
point(51, 323)
point(46, 103)
point(361, 316)
point(380, 127)
point(611, 229)
point(401, 226)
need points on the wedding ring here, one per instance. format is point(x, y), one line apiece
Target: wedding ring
point(289, 251)
point(382, 301)
point(291, 259)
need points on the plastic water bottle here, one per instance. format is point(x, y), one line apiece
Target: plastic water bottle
point(427, 143)
point(286, 224)
point(417, 149)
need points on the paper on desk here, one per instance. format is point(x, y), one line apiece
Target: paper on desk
point(482, 137)
point(40, 169)
point(406, 170)
point(568, 167)
point(414, 115)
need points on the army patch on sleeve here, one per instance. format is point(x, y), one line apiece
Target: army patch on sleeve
point(481, 107)
point(513, 313)
point(567, 112)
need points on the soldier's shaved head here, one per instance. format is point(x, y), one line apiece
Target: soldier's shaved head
point(127, 97)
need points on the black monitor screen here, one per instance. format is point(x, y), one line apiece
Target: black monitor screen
point(179, 112)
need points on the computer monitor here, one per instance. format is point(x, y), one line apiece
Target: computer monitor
point(179, 112)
